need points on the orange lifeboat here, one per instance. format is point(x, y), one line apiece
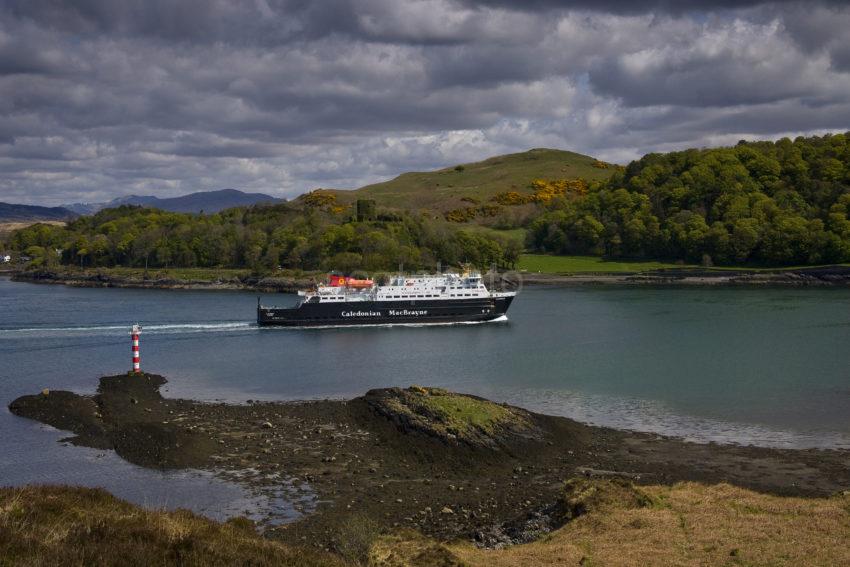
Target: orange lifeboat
point(335, 280)
point(359, 283)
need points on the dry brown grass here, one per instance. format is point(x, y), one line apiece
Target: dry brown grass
point(688, 524)
point(49, 525)
point(616, 524)
point(407, 548)
point(8, 227)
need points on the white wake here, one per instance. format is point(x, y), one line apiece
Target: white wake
point(114, 330)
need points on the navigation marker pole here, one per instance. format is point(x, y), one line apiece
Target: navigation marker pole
point(134, 333)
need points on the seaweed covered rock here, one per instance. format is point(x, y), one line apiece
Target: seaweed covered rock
point(453, 418)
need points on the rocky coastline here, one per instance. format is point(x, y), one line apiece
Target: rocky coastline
point(821, 276)
point(265, 284)
point(450, 466)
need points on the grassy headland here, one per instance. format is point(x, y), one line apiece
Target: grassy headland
point(684, 524)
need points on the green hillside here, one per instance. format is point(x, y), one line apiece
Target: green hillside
point(445, 189)
point(783, 203)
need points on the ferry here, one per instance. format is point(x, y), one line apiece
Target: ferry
point(442, 298)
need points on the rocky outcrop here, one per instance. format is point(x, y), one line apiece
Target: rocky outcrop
point(454, 418)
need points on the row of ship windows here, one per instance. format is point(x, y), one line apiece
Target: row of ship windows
point(416, 296)
point(409, 296)
point(420, 296)
point(337, 318)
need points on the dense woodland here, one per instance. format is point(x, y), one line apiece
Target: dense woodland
point(766, 203)
point(758, 203)
point(313, 236)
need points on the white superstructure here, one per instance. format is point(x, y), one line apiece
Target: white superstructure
point(449, 286)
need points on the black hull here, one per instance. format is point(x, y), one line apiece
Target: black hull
point(476, 310)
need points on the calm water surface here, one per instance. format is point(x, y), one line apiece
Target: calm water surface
point(758, 366)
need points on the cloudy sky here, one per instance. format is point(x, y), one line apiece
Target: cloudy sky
point(103, 98)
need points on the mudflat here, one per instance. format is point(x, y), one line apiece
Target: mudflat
point(450, 465)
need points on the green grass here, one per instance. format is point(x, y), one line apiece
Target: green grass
point(444, 189)
point(448, 415)
point(589, 264)
point(463, 412)
point(516, 234)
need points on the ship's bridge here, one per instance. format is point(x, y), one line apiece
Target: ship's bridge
point(443, 286)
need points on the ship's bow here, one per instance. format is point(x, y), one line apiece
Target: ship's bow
point(502, 302)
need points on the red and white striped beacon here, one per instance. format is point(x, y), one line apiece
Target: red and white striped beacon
point(135, 332)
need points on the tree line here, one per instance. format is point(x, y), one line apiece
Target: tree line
point(771, 203)
point(311, 236)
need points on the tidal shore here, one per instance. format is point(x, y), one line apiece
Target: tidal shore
point(107, 278)
point(448, 465)
point(822, 276)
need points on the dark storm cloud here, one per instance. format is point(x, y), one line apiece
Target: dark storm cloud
point(634, 6)
point(104, 97)
point(186, 20)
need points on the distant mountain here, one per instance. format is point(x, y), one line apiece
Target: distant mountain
point(25, 213)
point(206, 201)
point(91, 208)
point(83, 208)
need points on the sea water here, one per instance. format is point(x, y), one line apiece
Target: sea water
point(764, 366)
